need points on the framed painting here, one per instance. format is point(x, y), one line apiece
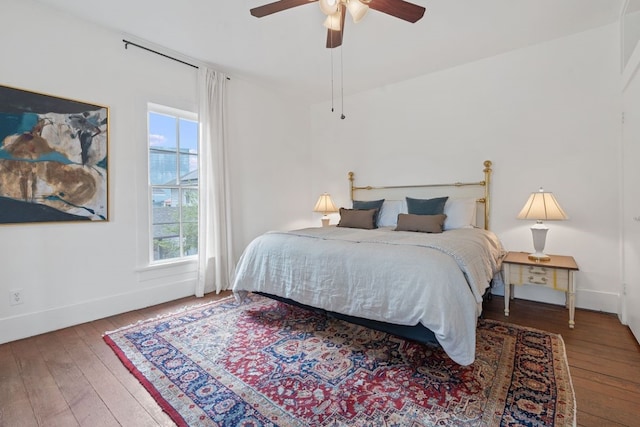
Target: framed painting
point(53, 158)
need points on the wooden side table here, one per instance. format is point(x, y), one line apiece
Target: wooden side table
point(557, 273)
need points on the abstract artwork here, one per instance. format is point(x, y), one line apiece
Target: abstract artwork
point(53, 158)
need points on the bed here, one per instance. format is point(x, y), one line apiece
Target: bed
point(424, 286)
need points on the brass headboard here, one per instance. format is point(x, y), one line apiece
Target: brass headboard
point(486, 183)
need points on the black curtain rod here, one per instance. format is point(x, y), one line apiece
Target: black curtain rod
point(127, 43)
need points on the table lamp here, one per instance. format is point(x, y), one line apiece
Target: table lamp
point(541, 206)
point(325, 206)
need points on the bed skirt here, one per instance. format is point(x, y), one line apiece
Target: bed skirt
point(417, 333)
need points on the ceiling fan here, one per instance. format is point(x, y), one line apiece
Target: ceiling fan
point(336, 11)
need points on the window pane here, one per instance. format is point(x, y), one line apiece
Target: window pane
point(188, 169)
point(190, 199)
point(162, 167)
point(164, 220)
point(190, 222)
point(161, 197)
point(188, 136)
point(166, 230)
point(166, 248)
point(188, 152)
point(162, 131)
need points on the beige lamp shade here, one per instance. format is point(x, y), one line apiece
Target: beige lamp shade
point(325, 205)
point(541, 206)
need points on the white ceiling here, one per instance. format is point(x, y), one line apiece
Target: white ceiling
point(287, 49)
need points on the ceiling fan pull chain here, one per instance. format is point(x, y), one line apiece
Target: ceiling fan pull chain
point(342, 116)
point(331, 51)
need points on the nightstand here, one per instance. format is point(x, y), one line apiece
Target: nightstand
point(557, 273)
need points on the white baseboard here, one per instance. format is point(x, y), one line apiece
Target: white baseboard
point(607, 302)
point(589, 299)
point(30, 324)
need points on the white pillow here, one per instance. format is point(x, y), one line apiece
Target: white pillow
point(388, 215)
point(461, 213)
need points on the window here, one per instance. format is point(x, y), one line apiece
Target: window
point(173, 182)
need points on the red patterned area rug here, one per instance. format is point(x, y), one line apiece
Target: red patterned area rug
point(266, 363)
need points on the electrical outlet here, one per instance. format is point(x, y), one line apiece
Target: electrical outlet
point(15, 297)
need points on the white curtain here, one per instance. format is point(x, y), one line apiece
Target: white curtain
point(215, 252)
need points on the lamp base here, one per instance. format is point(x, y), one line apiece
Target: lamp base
point(325, 221)
point(539, 257)
point(539, 231)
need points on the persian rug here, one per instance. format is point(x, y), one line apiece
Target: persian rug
point(267, 363)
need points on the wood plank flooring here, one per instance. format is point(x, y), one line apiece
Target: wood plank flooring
point(71, 377)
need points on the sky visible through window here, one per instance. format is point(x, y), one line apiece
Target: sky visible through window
point(162, 133)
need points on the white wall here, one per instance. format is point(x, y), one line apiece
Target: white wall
point(547, 115)
point(631, 201)
point(71, 273)
point(270, 156)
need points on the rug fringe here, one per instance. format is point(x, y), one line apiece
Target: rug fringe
point(566, 362)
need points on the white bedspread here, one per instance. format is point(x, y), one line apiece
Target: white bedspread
point(397, 277)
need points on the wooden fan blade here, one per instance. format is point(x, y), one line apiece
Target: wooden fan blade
point(334, 38)
point(398, 8)
point(277, 6)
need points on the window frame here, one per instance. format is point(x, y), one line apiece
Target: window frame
point(180, 188)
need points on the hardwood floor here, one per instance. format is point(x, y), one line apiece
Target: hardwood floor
point(71, 377)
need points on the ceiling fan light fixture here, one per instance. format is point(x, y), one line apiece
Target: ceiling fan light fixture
point(400, 9)
point(357, 9)
point(333, 22)
point(329, 7)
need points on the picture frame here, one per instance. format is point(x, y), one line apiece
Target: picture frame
point(53, 158)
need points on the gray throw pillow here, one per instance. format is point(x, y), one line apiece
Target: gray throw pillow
point(421, 223)
point(433, 206)
point(369, 204)
point(358, 218)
